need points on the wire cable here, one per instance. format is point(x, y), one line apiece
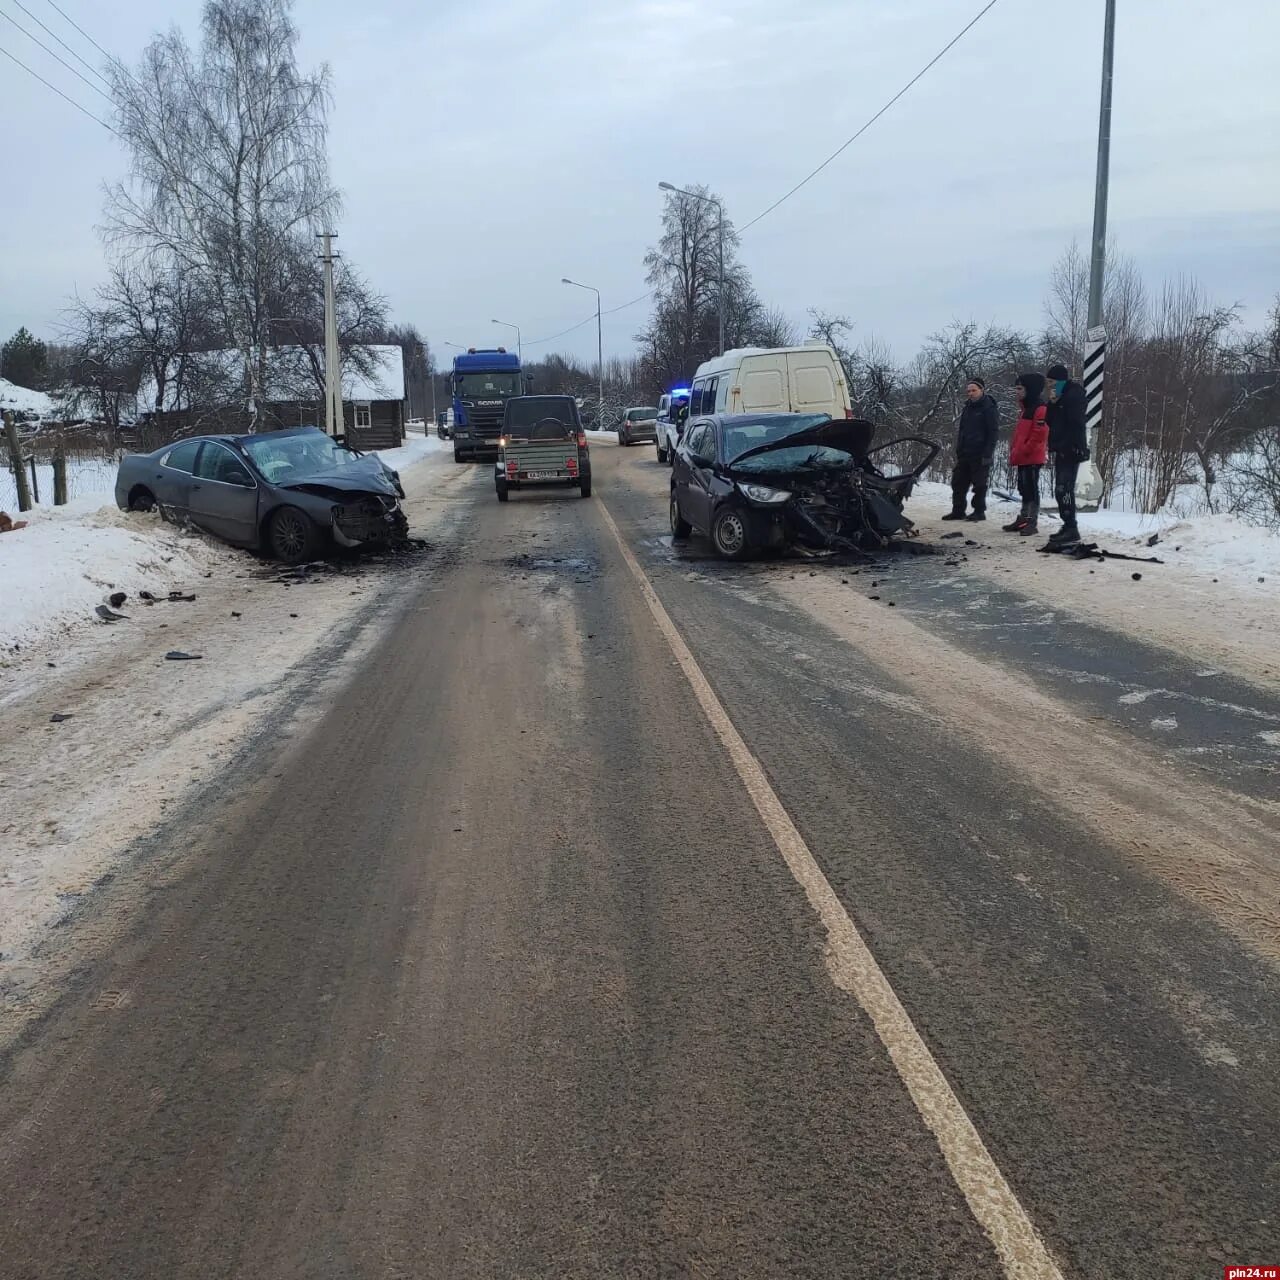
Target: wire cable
point(82, 31)
point(87, 65)
point(973, 22)
point(533, 342)
point(54, 87)
point(54, 56)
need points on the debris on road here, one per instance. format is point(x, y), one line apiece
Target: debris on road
point(177, 655)
point(109, 615)
point(9, 525)
point(116, 599)
point(59, 716)
point(1091, 551)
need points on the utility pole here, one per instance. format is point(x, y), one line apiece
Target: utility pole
point(1089, 486)
point(429, 360)
point(599, 344)
point(666, 186)
point(333, 423)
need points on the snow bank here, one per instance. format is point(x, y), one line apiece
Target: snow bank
point(1212, 545)
point(67, 561)
point(86, 477)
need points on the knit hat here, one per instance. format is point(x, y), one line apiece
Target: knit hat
point(977, 382)
point(1058, 373)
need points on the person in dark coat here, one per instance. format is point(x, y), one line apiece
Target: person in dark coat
point(1069, 444)
point(1029, 450)
point(976, 434)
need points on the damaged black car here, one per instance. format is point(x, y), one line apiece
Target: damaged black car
point(777, 480)
point(291, 494)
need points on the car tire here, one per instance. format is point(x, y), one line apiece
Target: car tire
point(142, 499)
point(730, 534)
point(504, 490)
point(680, 527)
point(584, 486)
point(662, 453)
point(292, 536)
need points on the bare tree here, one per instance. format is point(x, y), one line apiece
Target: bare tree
point(1067, 307)
point(229, 166)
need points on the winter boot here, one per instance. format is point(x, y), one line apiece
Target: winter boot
point(1067, 536)
point(1018, 523)
point(956, 513)
point(978, 513)
point(1030, 525)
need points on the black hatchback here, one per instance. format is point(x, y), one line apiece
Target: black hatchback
point(749, 481)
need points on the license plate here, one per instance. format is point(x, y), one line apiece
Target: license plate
point(541, 475)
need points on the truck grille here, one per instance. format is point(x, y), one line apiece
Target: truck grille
point(485, 420)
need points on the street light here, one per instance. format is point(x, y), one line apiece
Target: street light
point(693, 195)
point(506, 324)
point(599, 343)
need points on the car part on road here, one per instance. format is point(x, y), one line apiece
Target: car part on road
point(177, 655)
point(109, 615)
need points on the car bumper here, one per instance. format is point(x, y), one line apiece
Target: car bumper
point(641, 435)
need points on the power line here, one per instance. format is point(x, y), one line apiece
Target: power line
point(50, 52)
point(82, 31)
point(87, 65)
point(533, 342)
point(849, 142)
point(54, 87)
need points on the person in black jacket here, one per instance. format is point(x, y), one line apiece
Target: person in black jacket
point(976, 434)
point(1069, 445)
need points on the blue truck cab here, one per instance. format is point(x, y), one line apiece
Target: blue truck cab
point(482, 382)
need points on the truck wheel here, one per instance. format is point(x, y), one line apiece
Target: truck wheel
point(730, 534)
point(504, 492)
point(680, 527)
point(457, 455)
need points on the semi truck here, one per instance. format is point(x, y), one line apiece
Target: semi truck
point(482, 382)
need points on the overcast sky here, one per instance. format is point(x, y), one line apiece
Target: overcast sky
point(488, 147)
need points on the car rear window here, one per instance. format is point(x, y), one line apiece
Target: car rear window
point(524, 412)
point(642, 415)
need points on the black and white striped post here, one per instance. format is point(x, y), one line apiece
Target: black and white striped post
point(1089, 484)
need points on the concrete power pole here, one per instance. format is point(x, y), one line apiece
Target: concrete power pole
point(333, 423)
point(1089, 487)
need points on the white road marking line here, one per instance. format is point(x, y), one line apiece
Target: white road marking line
point(854, 970)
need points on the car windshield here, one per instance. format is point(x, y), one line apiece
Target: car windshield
point(527, 411)
point(486, 386)
point(797, 458)
point(290, 458)
point(745, 433)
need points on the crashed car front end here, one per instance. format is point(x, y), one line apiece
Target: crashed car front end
point(821, 490)
point(362, 519)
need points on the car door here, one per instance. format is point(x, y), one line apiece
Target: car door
point(224, 494)
point(698, 450)
point(173, 477)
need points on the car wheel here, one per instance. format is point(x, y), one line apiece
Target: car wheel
point(729, 534)
point(584, 486)
point(504, 492)
point(662, 453)
point(292, 536)
point(680, 527)
point(142, 499)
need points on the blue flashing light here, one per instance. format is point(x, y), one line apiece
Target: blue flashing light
point(680, 391)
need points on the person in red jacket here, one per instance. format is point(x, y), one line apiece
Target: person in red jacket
point(1029, 450)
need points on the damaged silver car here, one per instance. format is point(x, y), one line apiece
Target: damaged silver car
point(777, 480)
point(291, 494)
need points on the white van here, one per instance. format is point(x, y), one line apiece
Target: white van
point(777, 380)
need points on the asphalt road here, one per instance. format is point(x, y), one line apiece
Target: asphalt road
point(497, 970)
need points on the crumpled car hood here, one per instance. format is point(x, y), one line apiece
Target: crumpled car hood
point(851, 435)
point(365, 475)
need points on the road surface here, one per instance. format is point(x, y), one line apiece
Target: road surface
point(628, 914)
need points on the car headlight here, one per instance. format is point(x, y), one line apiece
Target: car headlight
point(762, 493)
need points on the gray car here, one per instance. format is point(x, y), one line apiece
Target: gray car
point(639, 425)
point(291, 494)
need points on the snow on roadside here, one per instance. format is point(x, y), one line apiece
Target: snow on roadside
point(1212, 545)
point(24, 400)
point(68, 560)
